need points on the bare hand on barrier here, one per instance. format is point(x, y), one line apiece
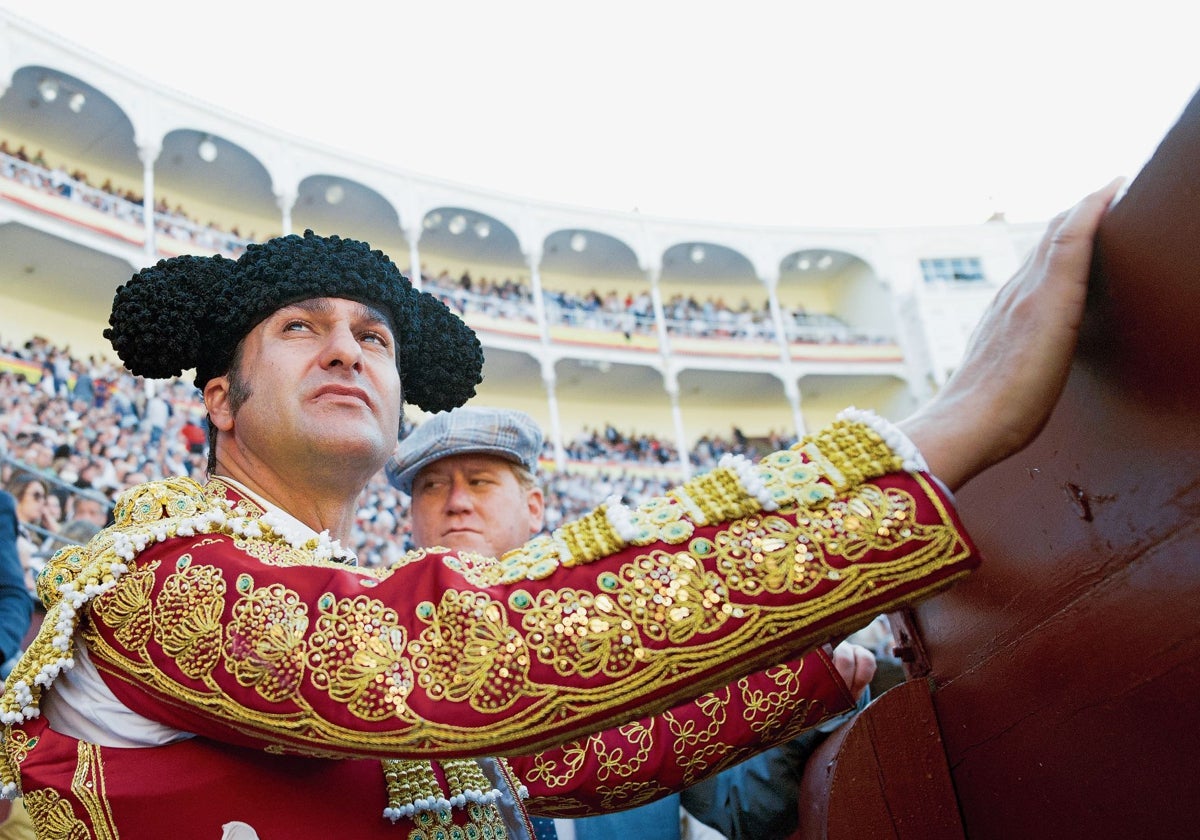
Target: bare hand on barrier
point(856, 665)
point(1019, 356)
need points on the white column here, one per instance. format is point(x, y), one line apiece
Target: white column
point(671, 381)
point(148, 153)
point(792, 389)
point(772, 284)
point(669, 375)
point(533, 259)
point(285, 201)
point(413, 235)
point(550, 381)
point(923, 375)
point(660, 316)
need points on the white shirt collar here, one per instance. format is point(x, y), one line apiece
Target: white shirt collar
point(295, 526)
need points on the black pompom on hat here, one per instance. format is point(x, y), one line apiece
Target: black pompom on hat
point(191, 312)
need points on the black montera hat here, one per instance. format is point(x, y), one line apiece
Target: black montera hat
point(191, 312)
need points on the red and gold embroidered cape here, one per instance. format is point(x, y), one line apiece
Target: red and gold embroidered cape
point(204, 615)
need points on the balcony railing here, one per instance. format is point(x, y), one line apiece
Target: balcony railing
point(170, 228)
point(570, 320)
point(801, 327)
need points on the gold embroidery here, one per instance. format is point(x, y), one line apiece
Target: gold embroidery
point(415, 555)
point(307, 752)
point(54, 817)
point(265, 640)
point(470, 647)
point(188, 621)
point(615, 762)
point(217, 492)
point(630, 794)
point(158, 500)
point(536, 560)
point(660, 518)
point(88, 785)
point(485, 823)
point(657, 597)
point(757, 554)
point(545, 770)
point(128, 608)
point(17, 745)
point(764, 711)
point(278, 554)
point(469, 652)
point(356, 654)
point(873, 520)
point(694, 747)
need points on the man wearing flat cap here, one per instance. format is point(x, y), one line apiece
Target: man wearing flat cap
point(474, 471)
point(214, 665)
point(471, 475)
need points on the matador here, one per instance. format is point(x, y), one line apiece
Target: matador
point(215, 665)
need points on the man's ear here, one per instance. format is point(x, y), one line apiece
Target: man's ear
point(216, 400)
point(537, 510)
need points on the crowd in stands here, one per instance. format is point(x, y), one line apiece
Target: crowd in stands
point(497, 298)
point(86, 429)
point(122, 203)
point(629, 313)
point(610, 445)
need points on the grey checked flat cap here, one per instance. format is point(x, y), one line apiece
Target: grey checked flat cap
point(493, 431)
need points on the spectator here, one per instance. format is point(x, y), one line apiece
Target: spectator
point(16, 607)
point(471, 473)
point(29, 491)
point(88, 509)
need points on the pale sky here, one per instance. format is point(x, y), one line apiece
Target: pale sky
point(788, 112)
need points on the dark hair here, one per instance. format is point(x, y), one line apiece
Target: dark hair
point(19, 482)
point(239, 392)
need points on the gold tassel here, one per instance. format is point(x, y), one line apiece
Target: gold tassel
point(413, 787)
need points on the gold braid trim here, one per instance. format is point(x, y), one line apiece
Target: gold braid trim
point(88, 786)
point(850, 453)
point(846, 453)
point(719, 496)
point(588, 538)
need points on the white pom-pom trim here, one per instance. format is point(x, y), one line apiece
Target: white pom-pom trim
point(749, 478)
point(76, 593)
point(620, 518)
point(896, 440)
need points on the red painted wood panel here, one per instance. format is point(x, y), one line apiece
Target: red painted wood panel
point(1068, 669)
point(852, 789)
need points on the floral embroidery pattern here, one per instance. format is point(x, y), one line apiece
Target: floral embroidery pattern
point(469, 652)
point(188, 621)
point(357, 655)
point(265, 640)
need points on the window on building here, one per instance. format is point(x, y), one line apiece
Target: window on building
point(952, 270)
